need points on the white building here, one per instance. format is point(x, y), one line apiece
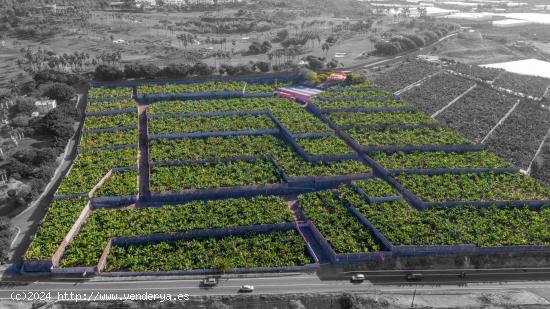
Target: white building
point(44, 106)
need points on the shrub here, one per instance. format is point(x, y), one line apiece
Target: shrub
point(176, 70)
point(263, 66)
point(202, 69)
point(406, 43)
point(59, 91)
point(417, 39)
point(259, 48)
point(387, 48)
point(229, 69)
point(107, 73)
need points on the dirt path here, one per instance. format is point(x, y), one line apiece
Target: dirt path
point(143, 155)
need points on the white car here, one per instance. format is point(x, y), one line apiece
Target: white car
point(247, 288)
point(209, 282)
point(358, 277)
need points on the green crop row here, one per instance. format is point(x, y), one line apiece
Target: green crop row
point(274, 249)
point(256, 146)
point(94, 140)
point(59, 219)
point(111, 105)
point(210, 86)
point(295, 118)
point(481, 226)
point(168, 125)
point(110, 121)
point(88, 169)
point(380, 118)
point(344, 231)
point(376, 187)
point(354, 94)
point(414, 137)
point(324, 145)
point(473, 187)
point(439, 159)
point(213, 175)
point(103, 224)
point(119, 184)
point(103, 93)
point(361, 85)
point(358, 103)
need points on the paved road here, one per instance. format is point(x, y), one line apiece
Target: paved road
point(290, 283)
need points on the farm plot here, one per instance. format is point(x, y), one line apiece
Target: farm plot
point(437, 92)
point(481, 226)
point(473, 187)
point(254, 146)
point(58, 221)
point(484, 73)
point(213, 175)
point(166, 125)
point(104, 139)
point(104, 93)
point(110, 105)
point(519, 137)
point(358, 103)
point(324, 145)
point(380, 118)
point(406, 74)
point(103, 224)
point(376, 187)
point(414, 137)
point(438, 159)
point(274, 249)
point(111, 121)
point(476, 113)
point(89, 167)
point(354, 94)
point(530, 85)
point(295, 118)
point(344, 232)
point(119, 184)
point(210, 86)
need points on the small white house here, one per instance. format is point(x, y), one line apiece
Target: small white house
point(44, 106)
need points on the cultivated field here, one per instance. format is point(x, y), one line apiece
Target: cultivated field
point(173, 184)
point(504, 111)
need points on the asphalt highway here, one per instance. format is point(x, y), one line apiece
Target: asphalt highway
point(381, 281)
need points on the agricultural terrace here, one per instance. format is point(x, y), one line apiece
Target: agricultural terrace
point(237, 179)
point(505, 112)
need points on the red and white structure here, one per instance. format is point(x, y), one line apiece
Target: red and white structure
point(301, 94)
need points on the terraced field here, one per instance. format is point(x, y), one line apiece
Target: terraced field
point(265, 183)
point(486, 113)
